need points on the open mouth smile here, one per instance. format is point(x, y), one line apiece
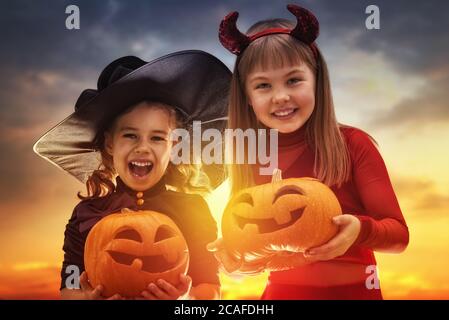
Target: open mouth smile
point(140, 168)
point(286, 113)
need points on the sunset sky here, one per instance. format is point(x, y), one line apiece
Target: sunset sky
point(392, 83)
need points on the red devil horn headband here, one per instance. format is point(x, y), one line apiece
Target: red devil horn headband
point(306, 30)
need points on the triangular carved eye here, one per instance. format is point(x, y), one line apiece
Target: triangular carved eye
point(129, 234)
point(290, 189)
point(244, 198)
point(164, 232)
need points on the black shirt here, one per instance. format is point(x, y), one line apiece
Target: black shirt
point(189, 212)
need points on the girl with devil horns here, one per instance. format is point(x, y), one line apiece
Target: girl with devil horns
point(281, 81)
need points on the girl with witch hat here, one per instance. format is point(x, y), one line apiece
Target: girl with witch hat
point(118, 142)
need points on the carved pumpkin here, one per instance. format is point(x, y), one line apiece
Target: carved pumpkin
point(281, 218)
point(126, 251)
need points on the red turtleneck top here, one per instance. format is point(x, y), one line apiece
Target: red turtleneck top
point(368, 195)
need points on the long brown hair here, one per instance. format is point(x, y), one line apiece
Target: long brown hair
point(182, 177)
point(332, 162)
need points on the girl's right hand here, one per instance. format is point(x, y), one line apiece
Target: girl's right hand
point(163, 290)
point(90, 293)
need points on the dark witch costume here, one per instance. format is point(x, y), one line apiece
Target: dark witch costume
point(189, 212)
point(196, 84)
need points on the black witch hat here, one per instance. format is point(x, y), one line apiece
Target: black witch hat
point(194, 82)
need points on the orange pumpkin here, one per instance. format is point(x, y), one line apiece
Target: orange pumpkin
point(126, 251)
point(280, 218)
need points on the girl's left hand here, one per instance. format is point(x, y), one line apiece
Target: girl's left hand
point(162, 290)
point(349, 229)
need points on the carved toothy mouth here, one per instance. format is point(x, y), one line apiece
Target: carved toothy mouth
point(269, 225)
point(152, 264)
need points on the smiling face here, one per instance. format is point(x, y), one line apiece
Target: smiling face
point(140, 145)
point(126, 251)
point(282, 98)
point(289, 215)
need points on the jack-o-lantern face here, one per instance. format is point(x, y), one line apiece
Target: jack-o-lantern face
point(125, 252)
point(285, 216)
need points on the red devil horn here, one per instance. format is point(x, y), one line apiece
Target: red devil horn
point(230, 37)
point(307, 26)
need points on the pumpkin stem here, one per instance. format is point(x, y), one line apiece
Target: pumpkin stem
point(277, 176)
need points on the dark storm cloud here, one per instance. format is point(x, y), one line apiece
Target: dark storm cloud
point(414, 40)
point(428, 106)
point(413, 35)
point(36, 35)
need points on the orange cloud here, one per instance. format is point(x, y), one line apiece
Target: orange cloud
point(29, 281)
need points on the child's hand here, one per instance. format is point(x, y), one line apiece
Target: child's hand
point(89, 293)
point(162, 290)
point(349, 229)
